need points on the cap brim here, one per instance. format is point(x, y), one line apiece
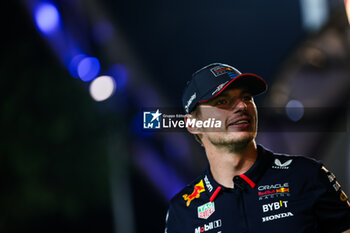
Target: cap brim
point(254, 84)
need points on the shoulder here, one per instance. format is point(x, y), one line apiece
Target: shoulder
point(183, 206)
point(197, 185)
point(301, 172)
point(281, 160)
point(293, 163)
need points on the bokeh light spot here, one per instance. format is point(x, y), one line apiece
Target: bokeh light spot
point(73, 64)
point(88, 68)
point(294, 110)
point(47, 18)
point(102, 88)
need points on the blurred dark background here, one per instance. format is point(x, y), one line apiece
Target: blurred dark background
point(73, 156)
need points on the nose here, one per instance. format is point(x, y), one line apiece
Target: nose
point(240, 106)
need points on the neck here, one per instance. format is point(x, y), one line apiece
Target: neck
point(225, 163)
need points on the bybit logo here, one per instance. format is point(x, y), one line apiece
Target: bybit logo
point(274, 206)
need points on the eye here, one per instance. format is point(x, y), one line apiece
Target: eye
point(247, 98)
point(221, 102)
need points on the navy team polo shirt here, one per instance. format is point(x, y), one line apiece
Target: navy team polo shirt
point(279, 193)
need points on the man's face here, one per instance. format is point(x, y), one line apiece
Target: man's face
point(236, 109)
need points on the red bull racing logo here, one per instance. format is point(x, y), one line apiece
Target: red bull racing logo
point(198, 188)
point(271, 191)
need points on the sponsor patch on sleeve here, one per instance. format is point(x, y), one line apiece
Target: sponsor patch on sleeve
point(198, 188)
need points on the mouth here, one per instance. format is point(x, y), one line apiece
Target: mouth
point(239, 124)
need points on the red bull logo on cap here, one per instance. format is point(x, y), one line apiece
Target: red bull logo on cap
point(219, 70)
point(198, 188)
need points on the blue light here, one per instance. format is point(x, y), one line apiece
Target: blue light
point(73, 64)
point(88, 68)
point(161, 174)
point(120, 73)
point(294, 110)
point(47, 18)
point(136, 126)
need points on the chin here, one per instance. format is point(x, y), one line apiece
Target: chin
point(232, 138)
point(242, 141)
point(240, 136)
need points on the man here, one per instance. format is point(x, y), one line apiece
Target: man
point(247, 188)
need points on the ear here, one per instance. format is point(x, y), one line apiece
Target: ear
point(190, 121)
